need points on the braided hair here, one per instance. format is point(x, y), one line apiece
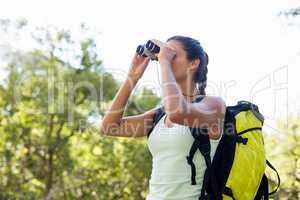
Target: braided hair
point(194, 50)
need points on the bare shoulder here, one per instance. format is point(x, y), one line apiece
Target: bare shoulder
point(218, 104)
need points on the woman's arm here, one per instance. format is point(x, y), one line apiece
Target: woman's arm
point(131, 126)
point(113, 123)
point(210, 110)
point(207, 113)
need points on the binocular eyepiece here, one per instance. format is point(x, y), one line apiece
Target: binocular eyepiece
point(148, 50)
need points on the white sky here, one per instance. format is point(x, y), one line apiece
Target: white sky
point(248, 44)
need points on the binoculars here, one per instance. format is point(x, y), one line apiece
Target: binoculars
point(148, 50)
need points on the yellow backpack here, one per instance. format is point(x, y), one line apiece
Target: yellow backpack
point(237, 171)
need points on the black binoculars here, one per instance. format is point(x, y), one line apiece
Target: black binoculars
point(148, 50)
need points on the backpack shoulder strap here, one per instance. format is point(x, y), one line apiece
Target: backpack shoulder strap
point(159, 112)
point(278, 178)
point(263, 190)
point(202, 142)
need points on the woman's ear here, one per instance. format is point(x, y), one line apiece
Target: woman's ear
point(195, 64)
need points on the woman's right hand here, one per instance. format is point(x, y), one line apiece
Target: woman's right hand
point(138, 66)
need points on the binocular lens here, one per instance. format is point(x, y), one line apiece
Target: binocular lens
point(140, 50)
point(152, 47)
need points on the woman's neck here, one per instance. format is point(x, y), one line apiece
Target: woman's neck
point(189, 89)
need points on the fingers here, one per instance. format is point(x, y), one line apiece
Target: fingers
point(147, 60)
point(137, 56)
point(140, 58)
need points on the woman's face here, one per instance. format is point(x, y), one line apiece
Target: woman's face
point(181, 65)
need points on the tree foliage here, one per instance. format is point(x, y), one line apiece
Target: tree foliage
point(50, 147)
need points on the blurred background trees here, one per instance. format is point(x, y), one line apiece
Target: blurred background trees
point(52, 98)
point(284, 152)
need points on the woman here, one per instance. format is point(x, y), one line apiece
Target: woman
point(183, 64)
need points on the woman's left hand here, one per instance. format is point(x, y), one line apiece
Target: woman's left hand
point(166, 52)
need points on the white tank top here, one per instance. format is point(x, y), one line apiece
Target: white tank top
point(171, 174)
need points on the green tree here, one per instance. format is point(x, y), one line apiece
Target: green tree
point(49, 146)
point(284, 151)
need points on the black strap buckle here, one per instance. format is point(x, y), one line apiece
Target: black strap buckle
point(240, 139)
